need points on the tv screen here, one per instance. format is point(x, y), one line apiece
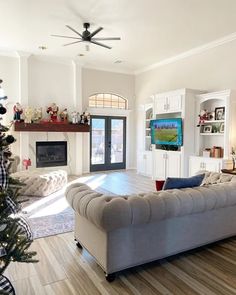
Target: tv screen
point(167, 131)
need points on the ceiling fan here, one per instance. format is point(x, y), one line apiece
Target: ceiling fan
point(87, 36)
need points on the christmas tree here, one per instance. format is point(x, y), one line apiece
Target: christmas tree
point(15, 234)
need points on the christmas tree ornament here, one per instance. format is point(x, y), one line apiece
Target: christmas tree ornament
point(2, 110)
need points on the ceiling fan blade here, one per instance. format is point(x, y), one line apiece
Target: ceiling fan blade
point(95, 32)
point(112, 38)
point(73, 30)
point(73, 43)
point(66, 37)
point(100, 44)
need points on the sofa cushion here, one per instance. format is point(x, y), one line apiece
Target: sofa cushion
point(177, 182)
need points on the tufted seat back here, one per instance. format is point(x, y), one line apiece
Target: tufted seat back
point(113, 212)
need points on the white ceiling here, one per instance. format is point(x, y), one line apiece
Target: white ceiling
point(150, 30)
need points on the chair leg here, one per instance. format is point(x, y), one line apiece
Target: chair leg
point(110, 277)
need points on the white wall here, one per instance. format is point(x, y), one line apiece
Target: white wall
point(50, 81)
point(212, 70)
point(95, 81)
point(55, 80)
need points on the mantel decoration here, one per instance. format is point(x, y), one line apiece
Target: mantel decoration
point(30, 115)
point(15, 234)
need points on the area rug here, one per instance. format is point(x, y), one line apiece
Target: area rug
point(52, 215)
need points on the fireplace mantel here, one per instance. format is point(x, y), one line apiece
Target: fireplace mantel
point(50, 127)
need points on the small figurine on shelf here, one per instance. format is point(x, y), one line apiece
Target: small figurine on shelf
point(37, 116)
point(82, 118)
point(52, 110)
point(75, 117)
point(28, 115)
point(17, 112)
point(64, 115)
point(87, 118)
point(203, 116)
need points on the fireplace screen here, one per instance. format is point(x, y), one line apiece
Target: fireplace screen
point(51, 153)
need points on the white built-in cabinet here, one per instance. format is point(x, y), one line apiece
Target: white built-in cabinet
point(197, 164)
point(175, 104)
point(166, 164)
point(145, 157)
point(145, 164)
point(222, 131)
point(159, 163)
point(168, 103)
point(188, 159)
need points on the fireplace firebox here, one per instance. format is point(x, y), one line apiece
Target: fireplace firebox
point(51, 153)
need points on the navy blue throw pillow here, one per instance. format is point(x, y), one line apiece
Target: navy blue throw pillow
point(172, 182)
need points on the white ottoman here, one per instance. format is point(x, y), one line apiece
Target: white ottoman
point(41, 182)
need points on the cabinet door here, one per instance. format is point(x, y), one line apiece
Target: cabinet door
point(174, 103)
point(149, 164)
point(160, 105)
point(173, 164)
point(159, 164)
point(213, 166)
point(141, 163)
point(195, 165)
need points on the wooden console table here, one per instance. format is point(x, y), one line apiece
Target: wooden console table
point(50, 127)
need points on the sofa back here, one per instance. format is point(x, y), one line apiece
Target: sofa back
point(113, 212)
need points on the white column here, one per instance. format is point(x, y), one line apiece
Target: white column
point(23, 100)
point(79, 144)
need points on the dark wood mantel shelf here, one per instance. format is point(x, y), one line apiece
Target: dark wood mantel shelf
point(51, 127)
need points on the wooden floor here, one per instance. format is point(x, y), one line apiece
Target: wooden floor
point(64, 269)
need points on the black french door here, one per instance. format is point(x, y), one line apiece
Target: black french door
point(107, 143)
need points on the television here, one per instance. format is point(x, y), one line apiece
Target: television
point(167, 131)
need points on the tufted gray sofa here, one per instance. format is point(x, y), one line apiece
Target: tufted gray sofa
point(125, 231)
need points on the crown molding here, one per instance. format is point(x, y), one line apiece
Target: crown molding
point(22, 54)
point(8, 52)
point(112, 70)
point(197, 50)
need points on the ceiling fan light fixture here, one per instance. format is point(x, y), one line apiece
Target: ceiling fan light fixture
point(88, 37)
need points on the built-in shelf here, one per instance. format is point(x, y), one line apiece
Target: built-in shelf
point(148, 135)
point(212, 121)
point(50, 127)
point(212, 134)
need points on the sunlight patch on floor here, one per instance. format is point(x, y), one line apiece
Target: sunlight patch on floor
point(95, 183)
point(52, 209)
point(43, 201)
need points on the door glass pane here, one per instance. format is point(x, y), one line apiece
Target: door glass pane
point(117, 140)
point(98, 141)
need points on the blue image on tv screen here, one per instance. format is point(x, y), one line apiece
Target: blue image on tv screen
point(167, 131)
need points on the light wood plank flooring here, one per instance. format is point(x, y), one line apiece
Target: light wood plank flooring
point(64, 269)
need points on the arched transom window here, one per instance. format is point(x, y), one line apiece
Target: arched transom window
point(107, 100)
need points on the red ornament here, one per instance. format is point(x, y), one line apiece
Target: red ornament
point(26, 163)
